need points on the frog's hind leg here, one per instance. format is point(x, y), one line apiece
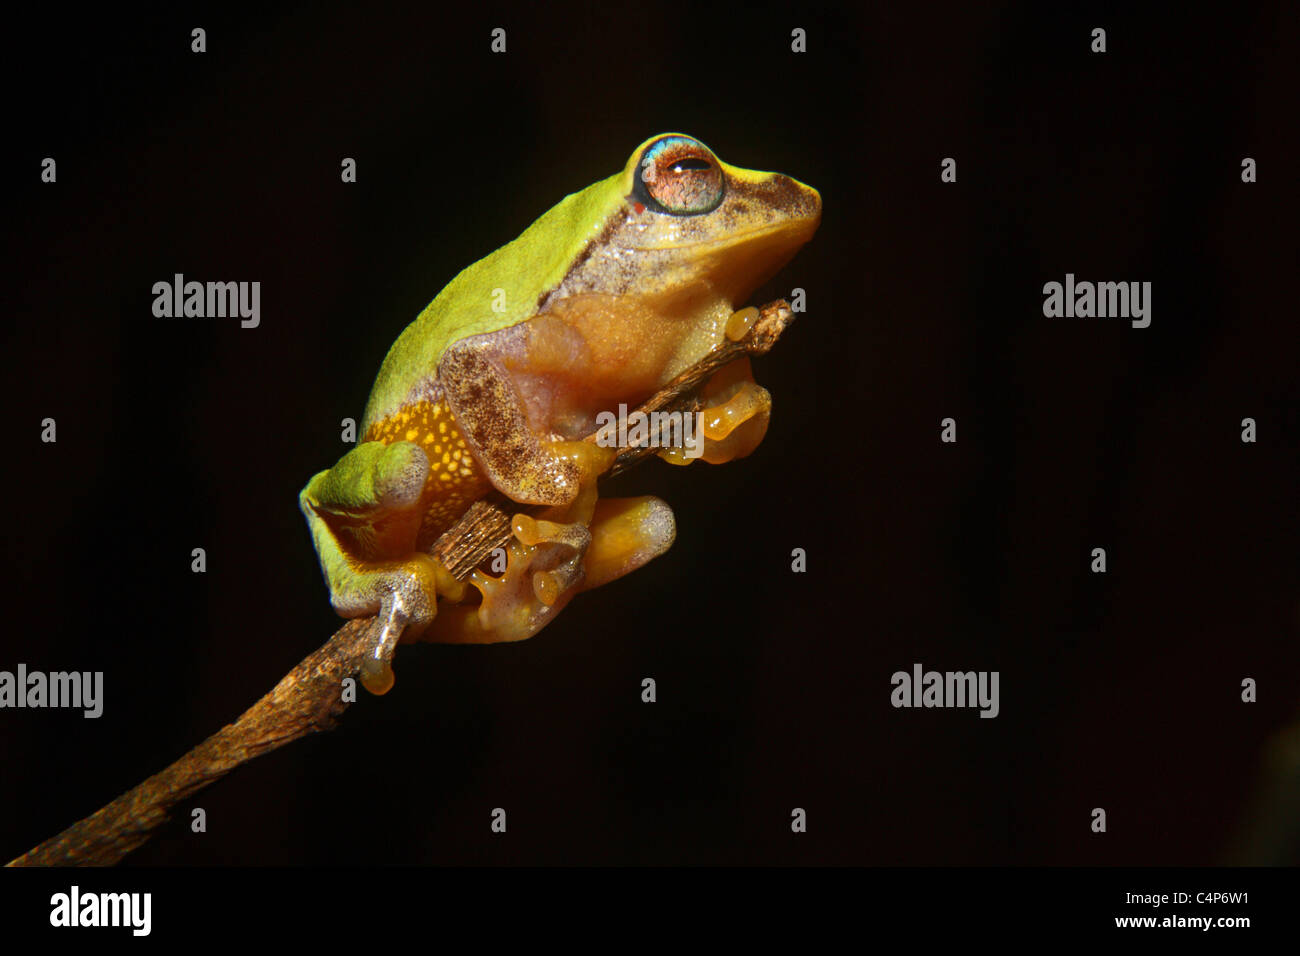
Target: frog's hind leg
point(623, 534)
point(364, 514)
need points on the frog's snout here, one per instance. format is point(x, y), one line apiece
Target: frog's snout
point(781, 205)
point(793, 212)
point(804, 204)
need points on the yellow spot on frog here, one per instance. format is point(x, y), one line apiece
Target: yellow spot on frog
point(450, 488)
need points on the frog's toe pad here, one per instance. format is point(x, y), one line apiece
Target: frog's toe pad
point(377, 676)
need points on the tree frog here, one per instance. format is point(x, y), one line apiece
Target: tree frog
point(601, 301)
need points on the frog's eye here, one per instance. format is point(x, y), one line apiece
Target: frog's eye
point(680, 176)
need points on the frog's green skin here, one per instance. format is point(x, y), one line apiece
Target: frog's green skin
point(602, 300)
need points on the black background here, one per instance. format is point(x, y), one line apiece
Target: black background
point(924, 301)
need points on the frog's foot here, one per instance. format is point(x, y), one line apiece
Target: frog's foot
point(543, 560)
point(403, 596)
point(734, 417)
point(364, 514)
point(625, 533)
point(549, 583)
point(543, 571)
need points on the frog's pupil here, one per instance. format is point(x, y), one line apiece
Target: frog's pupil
point(682, 165)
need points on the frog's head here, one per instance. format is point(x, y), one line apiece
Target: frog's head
point(710, 222)
point(678, 223)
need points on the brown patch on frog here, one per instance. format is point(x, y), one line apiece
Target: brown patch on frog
point(614, 223)
point(493, 419)
point(775, 192)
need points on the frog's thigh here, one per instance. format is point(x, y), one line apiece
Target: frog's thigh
point(491, 416)
point(372, 497)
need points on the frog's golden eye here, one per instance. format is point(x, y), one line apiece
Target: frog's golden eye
point(679, 176)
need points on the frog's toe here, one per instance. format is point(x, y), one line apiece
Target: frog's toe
point(734, 417)
point(538, 582)
point(736, 426)
point(385, 631)
point(550, 583)
point(377, 668)
point(626, 533)
point(403, 596)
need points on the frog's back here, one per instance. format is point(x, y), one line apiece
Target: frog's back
point(514, 277)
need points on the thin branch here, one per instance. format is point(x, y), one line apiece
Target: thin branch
point(309, 698)
point(305, 701)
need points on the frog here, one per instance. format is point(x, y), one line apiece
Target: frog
point(606, 297)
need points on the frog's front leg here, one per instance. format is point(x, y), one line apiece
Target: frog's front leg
point(490, 413)
point(526, 468)
point(364, 514)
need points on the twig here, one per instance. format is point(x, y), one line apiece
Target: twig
point(309, 698)
point(306, 700)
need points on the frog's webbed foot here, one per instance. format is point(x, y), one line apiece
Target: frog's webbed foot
point(544, 570)
point(734, 417)
point(544, 559)
point(613, 537)
point(550, 579)
point(364, 514)
point(538, 582)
